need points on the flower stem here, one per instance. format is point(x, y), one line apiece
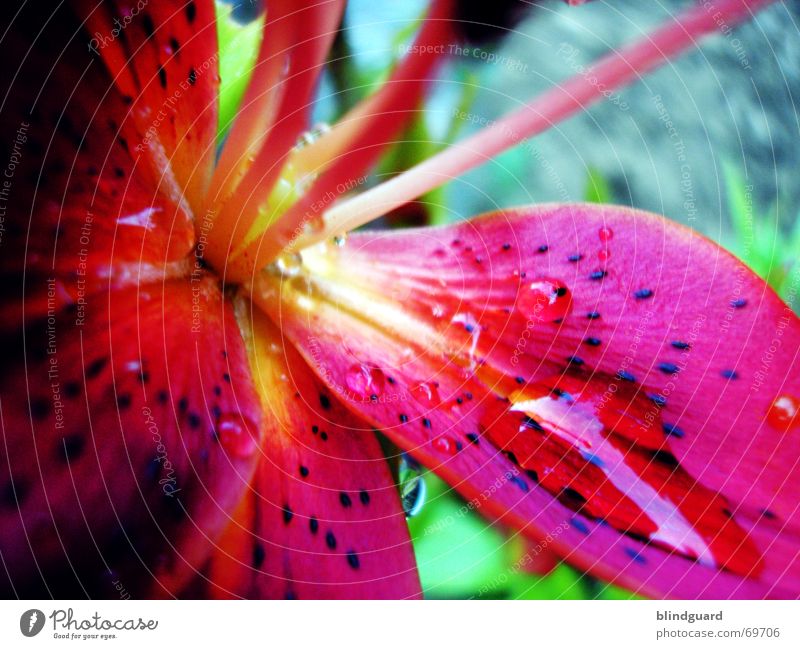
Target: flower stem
point(560, 102)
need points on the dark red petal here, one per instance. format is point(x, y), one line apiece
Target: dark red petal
point(163, 57)
point(323, 519)
point(81, 206)
point(521, 297)
point(114, 463)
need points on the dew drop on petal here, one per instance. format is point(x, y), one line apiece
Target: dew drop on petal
point(783, 413)
point(605, 233)
point(412, 486)
point(444, 444)
point(365, 380)
point(236, 435)
point(288, 264)
point(427, 394)
point(544, 300)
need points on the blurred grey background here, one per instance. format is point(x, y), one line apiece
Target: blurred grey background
point(732, 103)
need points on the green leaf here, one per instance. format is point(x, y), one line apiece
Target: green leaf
point(238, 50)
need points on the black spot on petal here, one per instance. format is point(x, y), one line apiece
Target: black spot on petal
point(597, 274)
point(673, 430)
point(643, 294)
point(363, 496)
point(71, 447)
point(324, 401)
point(668, 368)
point(729, 374)
point(591, 341)
point(313, 525)
point(352, 560)
point(258, 555)
point(330, 540)
point(345, 499)
point(288, 514)
point(739, 303)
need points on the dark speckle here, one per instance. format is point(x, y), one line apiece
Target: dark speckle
point(403, 419)
point(352, 560)
point(575, 257)
point(345, 499)
point(363, 496)
point(183, 404)
point(147, 25)
point(520, 380)
point(768, 514)
point(40, 408)
point(288, 514)
point(593, 315)
point(95, 367)
point(531, 423)
point(323, 436)
point(506, 246)
point(313, 525)
point(174, 44)
point(679, 344)
point(635, 555)
point(426, 422)
point(330, 540)
point(14, 493)
point(597, 274)
point(739, 303)
point(290, 595)
point(226, 377)
point(626, 376)
point(194, 420)
point(162, 77)
point(658, 399)
point(123, 401)
point(258, 555)
point(520, 483)
point(672, 430)
point(579, 525)
point(575, 360)
point(729, 374)
point(72, 447)
point(668, 368)
point(192, 77)
point(643, 294)
point(191, 12)
point(303, 471)
point(472, 438)
point(162, 396)
point(543, 248)
point(324, 401)
point(591, 341)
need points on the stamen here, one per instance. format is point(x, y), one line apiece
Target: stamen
point(610, 73)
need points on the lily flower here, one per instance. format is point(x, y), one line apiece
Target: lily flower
point(205, 363)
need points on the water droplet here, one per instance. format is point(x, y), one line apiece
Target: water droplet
point(783, 413)
point(412, 486)
point(437, 310)
point(544, 300)
point(312, 135)
point(314, 225)
point(605, 233)
point(236, 435)
point(444, 444)
point(340, 240)
point(427, 394)
point(288, 264)
point(364, 380)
